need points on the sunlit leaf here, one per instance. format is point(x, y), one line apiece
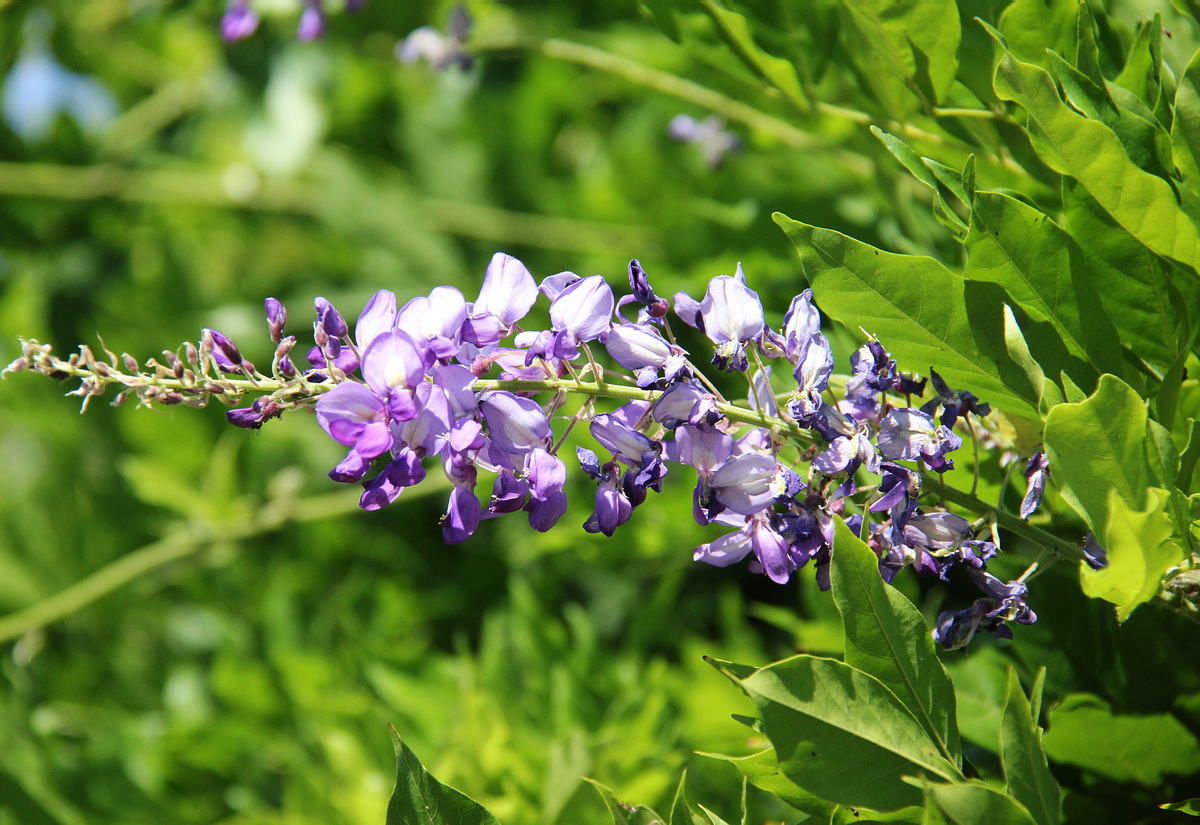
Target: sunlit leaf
point(973, 803)
point(918, 308)
point(624, 813)
point(1143, 748)
point(1140, 551)
point(842, 735)
point(419, 799)
point(1092, 154)
point(887, 637)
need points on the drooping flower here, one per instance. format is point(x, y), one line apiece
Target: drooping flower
point(1036, 472)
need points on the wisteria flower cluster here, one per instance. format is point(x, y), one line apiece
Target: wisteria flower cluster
point(445, 382)
point(241, 20)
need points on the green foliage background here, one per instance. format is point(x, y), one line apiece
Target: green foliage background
point(246, 674)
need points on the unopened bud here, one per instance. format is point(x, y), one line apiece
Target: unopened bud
point(131, 363)
point(276, 319)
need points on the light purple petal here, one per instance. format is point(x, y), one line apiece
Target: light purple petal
point(378, 316)
point(344, 411)
point(508, 290)
point(584, 308)
point(392, 362)
point(516, 425)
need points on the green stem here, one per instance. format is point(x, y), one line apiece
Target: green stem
point(1014, 524)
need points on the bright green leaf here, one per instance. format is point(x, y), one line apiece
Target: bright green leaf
point(1091, 153)
point(762, 771)
point(1185, 132)
point(887, 637)
point(1148, 299)
point(1084, 732)
point(842, 735)
point(623, 813)
point(1038, 264)
point(919, 308)
point(1099, 445)
point(973, 803)
point(778, 72)
point(1033, 26)
point(934, 175)
point(1140, 551)
point(1025, 767)
point(419, 799)
point(902, 46)
point(1191, 807)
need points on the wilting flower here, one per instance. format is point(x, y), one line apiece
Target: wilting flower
point(1036, 471)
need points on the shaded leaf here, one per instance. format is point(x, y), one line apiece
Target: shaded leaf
point(1025, 767)
point(842, 735)
point(1084, 732)
point(624, 813)
point(762, 771)
point(887, 637)
point(1091, 153)
point(419, 799)
point(937, 177)
point(914, 304)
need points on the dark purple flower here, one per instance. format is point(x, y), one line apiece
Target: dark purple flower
point(329, 321)
point(276, 319)
point(1037, 472)
point(463, 512)
point(654, 308)
point(229, 359)
point(954, 629)
point(252, 417)
point(953, 403)
point(1095, 555)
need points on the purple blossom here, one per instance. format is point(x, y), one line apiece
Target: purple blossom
point(709, 134)
point(654, 308)
point(515, 425)
point(953, 403)
point(907, 434)
point(276, 319)
point(1037, 471)
point(312, 22)
point(686, 403)
point(731, 315)
point(240, 21)
point(745, 483)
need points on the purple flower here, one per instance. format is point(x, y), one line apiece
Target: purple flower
point(584, 309)
point(801, 323)
point(440, 51)
point(378, 316)
point(240, 21)
point(953, 403)
point(229, 359)
point(686, 403)
point(709, 134)
point(955, 629)
point(312, 22)
point(731, 315)
point(908, 435)
point(276, 319)
point(507, 295)
point(515, 425)
point(745, 483)
point(435, 322)
point(1037, 472)
point(463, 512)
point(546, 475)
point(654, 308)
point(814, 365)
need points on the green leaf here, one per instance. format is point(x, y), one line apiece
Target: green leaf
point(1191, 807)
point(1140, 551)
point(419, 799)
point(1025, 767)
point(762, 771)
point(937, 177)
point(1041, 267)
point(918, 307)
point(1090, 152)
point(904, 48)
point(841, 734)
point(1191, 454)
point(1032, 26)
point(1150, 308)
point(1047, 393)
point(1098, 445)
point(973, 803)
point(1142, 72)
point(1163, 458)
point(1185, 132)
point(681, 810)
point(732, 670)
point(776, 71)
point(623, 813)
point(887, 637)
point(1084, 732)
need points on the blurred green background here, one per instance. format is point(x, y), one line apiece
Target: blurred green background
point(247, 671)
